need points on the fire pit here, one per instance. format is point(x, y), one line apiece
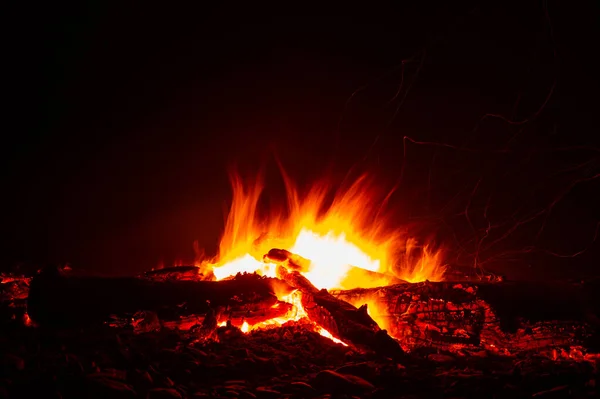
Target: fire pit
point(323, 300)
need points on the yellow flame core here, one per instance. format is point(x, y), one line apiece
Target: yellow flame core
point(348, 233)
point(245, 327)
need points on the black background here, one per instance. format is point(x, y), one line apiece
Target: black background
point(124, 118)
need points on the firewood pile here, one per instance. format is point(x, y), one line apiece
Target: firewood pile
point(172, 334)
point(452, 316)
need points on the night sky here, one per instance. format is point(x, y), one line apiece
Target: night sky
point(123, 121)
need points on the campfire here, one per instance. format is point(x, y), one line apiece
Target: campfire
point(331, 262)
point(329, 266)
point(344, 244)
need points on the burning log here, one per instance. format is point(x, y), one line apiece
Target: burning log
point(295, 262)
point(509, 315)
point(340, 318)
point(288, 259)
point(235, 317)
point(57, 299)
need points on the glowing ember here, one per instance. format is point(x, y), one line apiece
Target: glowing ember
point(26, 320)
point(296, 313)
point(327, 334)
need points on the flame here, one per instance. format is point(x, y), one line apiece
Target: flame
point(244, 264)
point(376, 309)
point(347, 242)
point(352, 232)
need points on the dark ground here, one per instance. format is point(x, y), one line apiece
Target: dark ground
point(281, 363)
point(139, 356)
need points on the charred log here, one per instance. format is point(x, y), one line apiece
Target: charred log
point(236, 316)
point(536, 301)
point(190, 273)
point(57, 299)
point(340, 318)
point(516, 316)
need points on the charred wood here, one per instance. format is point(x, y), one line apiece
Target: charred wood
point(191, 273)
point(340, 318)
point(236, 316)
point(511, 315)
point(58, 299)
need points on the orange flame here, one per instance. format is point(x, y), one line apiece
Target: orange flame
point(350, 233)
point(347, 243)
